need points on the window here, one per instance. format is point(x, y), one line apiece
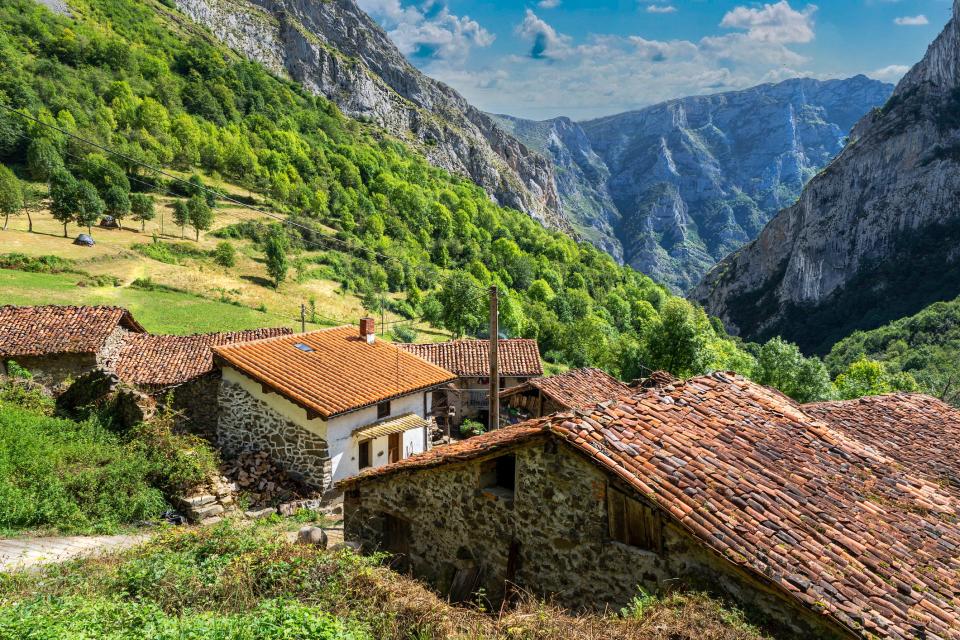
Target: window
point(633, 523)
point(303, 347)
point(365, 454)
point(383, 410)
point(499, 475)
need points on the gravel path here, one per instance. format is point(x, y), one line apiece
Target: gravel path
point(25, 553)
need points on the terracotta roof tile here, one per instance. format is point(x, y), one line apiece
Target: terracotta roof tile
point(828, 519)
point(50, 329)
point(339, 371)
point(575, 388)
point(919, 431)
point(158, 360)
point(518, 357)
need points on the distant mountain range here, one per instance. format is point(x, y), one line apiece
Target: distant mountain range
point(874, 237)
point(673, 188)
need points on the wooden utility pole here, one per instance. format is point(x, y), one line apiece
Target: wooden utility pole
point(494, 403)
point(303, 318)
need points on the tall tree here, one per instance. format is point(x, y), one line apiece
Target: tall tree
point(276, 254)
point(116, 202)
point(89, 205)
point(43, 159)
point(201, 215)
point(32, 200)
point(463, 303)
point(181, 214)
point(677, 341)
point(143, 208)
point(11, 195)
point(63, 197)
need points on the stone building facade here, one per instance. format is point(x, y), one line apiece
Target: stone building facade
point(459, 529)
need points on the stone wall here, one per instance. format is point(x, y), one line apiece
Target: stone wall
point(196, 403)
point(248, 424)
point(52, 371)
point(551, 535)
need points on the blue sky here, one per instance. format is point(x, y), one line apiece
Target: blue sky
point(584, 59)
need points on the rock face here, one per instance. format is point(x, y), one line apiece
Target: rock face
point(874, 237)
point(673, 188)
point(334, 49)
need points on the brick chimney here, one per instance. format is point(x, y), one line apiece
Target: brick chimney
point(368, 330)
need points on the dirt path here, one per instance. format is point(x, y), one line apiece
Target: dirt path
point(25, 553)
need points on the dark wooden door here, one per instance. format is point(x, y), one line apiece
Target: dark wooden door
point(393, 447)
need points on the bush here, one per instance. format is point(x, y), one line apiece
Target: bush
point(472, 428)
point(39, 264)
point(169, 252)
point(76, 477)
point(404, 334)
point(177, 463)
point(225, 255)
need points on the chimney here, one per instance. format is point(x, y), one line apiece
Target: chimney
point(368, 330)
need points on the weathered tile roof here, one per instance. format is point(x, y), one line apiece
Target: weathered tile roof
point(160, 360)
point(339, 371)
point(918, 431)
point(51, 329)
point(575, 388)
point(517, 357)
point(826, 519)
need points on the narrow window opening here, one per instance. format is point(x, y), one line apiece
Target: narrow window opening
point(632, 522)
point(499, 475)
point(364, 454)
point(383, 410)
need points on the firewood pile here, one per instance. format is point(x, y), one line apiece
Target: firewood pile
point(262, 482)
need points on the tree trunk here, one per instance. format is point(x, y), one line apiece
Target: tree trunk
point(89, 231)
point(6, 221)
point(64, 229)
point(143, 226)
point(198, 235)
point(29, 222)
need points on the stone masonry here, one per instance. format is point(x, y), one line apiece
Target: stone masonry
point(247, 424)
point(550, 538)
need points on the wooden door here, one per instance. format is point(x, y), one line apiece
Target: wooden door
point(393, 447)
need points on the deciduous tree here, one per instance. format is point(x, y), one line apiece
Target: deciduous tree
point(11, 195)
point(276, 254)
point(143, 208)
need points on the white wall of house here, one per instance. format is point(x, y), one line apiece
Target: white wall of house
point(338, 432)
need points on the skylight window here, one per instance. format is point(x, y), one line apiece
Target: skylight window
point(303, 347)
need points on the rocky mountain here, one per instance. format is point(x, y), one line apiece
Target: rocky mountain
point(875, 236)
point(673, 188)
point(334, 49)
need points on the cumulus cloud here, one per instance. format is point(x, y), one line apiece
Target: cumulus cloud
point(778, 22)
point(891, 73)
point(548, 4)
point(546, 43)
point(661, 8)
point(911, 21)
point(429, 30)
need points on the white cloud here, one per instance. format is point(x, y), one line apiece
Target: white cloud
point(548, 4)
point(661, 8)
point(429, 30)
point(546, 43)
point(911, 21)
point(891, 73)
point(778, 22)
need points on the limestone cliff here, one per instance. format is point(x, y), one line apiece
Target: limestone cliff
point(334, 49)
point(675, 187)
point(875, 236)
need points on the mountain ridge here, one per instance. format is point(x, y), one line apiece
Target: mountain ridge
point(674, 187)
point(873, 237)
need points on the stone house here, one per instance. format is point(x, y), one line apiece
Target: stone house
point(58, 343)
point(563, 392)
point(468, 397)
point(803, 515)
point(326, 404)
point(181, 369)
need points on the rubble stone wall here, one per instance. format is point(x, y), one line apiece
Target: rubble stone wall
point(53, 371)
point(557, 524)
point(196, 403)
point(248, 424)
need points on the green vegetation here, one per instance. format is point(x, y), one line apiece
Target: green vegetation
point(231, 582)
point(41, 264)
point(925, 347)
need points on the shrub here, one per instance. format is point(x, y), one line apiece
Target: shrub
point(39, 264)
point(225, 255)
point(177, 463)
point(472, 428)
point(404, 334)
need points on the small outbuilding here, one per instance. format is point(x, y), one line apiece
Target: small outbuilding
point(565, 391)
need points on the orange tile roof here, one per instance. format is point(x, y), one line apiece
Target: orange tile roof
point(517, 357)
point(919, 431)
point(158, 360)
point(827, 519)
point(50, 329)
point(575, 388)
point(341, 373)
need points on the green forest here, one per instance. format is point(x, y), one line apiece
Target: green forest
point(135, 77)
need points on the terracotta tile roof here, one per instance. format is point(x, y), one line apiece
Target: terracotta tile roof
point(338, 373)
point(826, 519)
point(50, 329)
point(575, 388)
point(518, 357)
point(159, 360)
point(920, 432)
